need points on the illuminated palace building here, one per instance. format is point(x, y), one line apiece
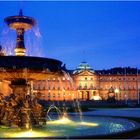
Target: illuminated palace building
point(84, 83)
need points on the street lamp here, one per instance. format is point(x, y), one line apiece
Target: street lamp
point(126, 98)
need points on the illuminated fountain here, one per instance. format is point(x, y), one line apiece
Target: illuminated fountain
point(22, 109)
point(21, 116)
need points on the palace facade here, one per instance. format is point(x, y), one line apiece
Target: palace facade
point(84, 83)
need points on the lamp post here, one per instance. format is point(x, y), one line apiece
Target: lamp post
point(126, 98)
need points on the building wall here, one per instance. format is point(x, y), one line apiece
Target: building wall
point(128, 86)
point(55, 89)
point(86, 85)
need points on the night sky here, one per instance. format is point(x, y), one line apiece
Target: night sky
point(104, 34)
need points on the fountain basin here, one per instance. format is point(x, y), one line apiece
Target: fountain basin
point(13, 67)
point(74, 128)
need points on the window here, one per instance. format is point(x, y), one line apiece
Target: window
point(91, 86)
point(42, 87)
point(134, 87)
point(80, 86)
point(80, 95)
point(53, 95)
point(49, 95)
point(85, 87)
point(35, 87)
point(134, 79)
point(100, 78)
point(85, 78)
point(58, 94)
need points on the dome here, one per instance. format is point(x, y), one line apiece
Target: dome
point(83, 66)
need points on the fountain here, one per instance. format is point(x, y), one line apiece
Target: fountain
point(21, 116)
point(22, 109)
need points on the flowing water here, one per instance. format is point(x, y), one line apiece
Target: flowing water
point(33, 41)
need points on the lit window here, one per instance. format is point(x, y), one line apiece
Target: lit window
point(85, 86)
point(58, 94)
point(80, 95)
point(80, 86)
point(53, 95)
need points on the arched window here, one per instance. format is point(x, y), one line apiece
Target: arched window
point(85, 87)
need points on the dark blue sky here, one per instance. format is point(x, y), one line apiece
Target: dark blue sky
point(105, 34)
